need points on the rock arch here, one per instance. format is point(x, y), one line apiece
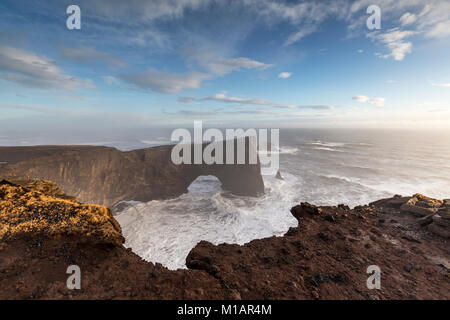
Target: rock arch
point(105, 176)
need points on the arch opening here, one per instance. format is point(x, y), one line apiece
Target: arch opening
point(205, 184)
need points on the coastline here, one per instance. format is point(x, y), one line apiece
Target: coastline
point(324, 257)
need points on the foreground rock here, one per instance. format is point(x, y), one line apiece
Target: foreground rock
point(40, 210)
point(325, 257)
point(107, 176)
point(43, 232)
point(435, 214)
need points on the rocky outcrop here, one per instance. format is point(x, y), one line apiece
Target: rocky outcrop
point(325, 257)
point(441, 222)
point(421, 206)
point(430, 213)
point(39, 209)
point(106, 176)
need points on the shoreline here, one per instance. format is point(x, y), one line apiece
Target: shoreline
point(324, 257)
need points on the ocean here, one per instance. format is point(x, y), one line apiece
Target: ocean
point(323, 167)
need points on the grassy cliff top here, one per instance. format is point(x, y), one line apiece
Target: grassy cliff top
point(40, 208)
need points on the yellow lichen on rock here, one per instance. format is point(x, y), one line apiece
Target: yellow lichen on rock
point(430, 202)
point(40, 208)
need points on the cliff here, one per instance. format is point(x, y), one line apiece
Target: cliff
point(106, 176)
point(325, 257)
point(39, 209)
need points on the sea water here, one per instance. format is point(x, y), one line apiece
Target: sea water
point(323, 167)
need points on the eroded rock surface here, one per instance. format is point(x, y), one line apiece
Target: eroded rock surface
point(325, 257)
point(40, 210)
point(106, 176)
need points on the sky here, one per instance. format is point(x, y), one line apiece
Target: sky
point(237, 63)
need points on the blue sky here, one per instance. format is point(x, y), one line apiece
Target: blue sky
point(253, 63)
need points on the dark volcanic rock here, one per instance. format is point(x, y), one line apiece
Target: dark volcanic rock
point(441, 231)
point(396, 202)
point(106, 176)
point(426, 220)
point(418, 208)
point(316, 259)
point(278, 175)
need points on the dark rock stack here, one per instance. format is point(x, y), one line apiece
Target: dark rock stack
point(278, 175)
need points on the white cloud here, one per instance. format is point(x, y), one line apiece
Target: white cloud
point(360, 51)
point(285, 75)
point(221, 66)
point(165, 82)
point(297, 36)
point(443, 85)
point(212, 62)
point(296, 13)
point(395, 35)
point(140, 11)
point(361, 98)
point(434, 19)
point(440, 30)
point(425, 18)
point(260, 102)
point(393, 39)
point(428, 17)
point(31, 70)
point(90, 55)
point(399, 50)
point(378, 102)
point(223, 97)
point(407, 19)
point(305, 16)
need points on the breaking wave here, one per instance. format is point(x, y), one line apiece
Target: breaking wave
point(165, 231)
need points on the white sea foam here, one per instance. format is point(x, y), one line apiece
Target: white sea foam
point(157, 142)
point(281, 150)
point(314, 170)
point(328, 144)
point(327, 149)
point(165, 231)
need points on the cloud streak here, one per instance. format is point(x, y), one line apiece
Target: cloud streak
point(212, 62)
point(222, 97)
point(31, 70)
point(90, 55)
point(165, 82)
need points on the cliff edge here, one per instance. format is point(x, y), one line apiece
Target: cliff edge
point(40, 210)
point(325, 257)
point(105, 176)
